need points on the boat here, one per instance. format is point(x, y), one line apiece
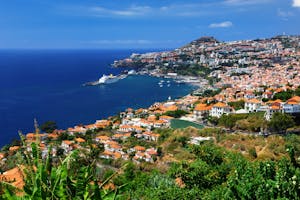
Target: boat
point(107, 79)
point(131, 72)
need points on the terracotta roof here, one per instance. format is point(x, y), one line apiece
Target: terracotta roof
point(103, 137)
point(166, 117)
point(275, 107)
point(67, 142)
point(14, 148)
point(80, 140)
point(295, 98)
point(202, 107)
point(253, 101)
point(220, 105)
point(15, 176)
point(139, 148)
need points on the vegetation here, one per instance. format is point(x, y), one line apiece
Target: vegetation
point(280, 122)
point(210, 93)
point(209, 171)
point(285, 95)
point(48, 126)
point(237, 105)
point(219, 174)
point(47, 180)
point(176, 113)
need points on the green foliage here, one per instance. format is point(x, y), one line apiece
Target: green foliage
point(252, 153)
point(44, 180)
point(229, 120)
point(237, 105)
point(48, 126)
point(176, 113)
point(297, 91)
point(210, 93)
point(280, 122)
point(285, 95)
point(65, 136)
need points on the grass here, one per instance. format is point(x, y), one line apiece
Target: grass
point(178, 124)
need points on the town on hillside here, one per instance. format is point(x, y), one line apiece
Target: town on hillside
point(245, 86)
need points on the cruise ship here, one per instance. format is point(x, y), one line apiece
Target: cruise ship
point(107, 79)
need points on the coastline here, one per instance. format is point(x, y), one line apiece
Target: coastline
point(113, 110)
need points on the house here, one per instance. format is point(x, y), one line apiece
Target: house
point(271, 110)
point(2, 155)
point(291, 107)
point(198, 140)
point(267, 95)
point(14, 176)
point(166, 118)
point(159, 123)
point(67, 145)
point(14, 148)
point(143, 156)
point(252, 105)
point(110, 155)
point(201, 111)
point(77, 129)
point(102, 138)
point(150, 136)
point(80, 140)
point(249, 95)
point(122, 136)
point(219, 109)
point(125, 128)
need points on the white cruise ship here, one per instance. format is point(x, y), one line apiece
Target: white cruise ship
point(107, 79)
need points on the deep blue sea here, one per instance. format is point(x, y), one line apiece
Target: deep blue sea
point(47, 85)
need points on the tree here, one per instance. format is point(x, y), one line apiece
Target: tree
point(237, 105)
point(280, 122)
point(285, 95)
point(48, 126)
point(176, 113)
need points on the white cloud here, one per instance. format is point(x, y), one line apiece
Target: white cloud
point(225, 24)
point(296, 3)
point(284, 14)
point(245, 2)
point(131, 11)
point(168, 10)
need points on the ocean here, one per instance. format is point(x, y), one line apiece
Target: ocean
point(47, 85)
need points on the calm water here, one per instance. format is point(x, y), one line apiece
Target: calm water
point(46, 84)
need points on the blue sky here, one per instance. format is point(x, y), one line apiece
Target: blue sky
point(140, 24)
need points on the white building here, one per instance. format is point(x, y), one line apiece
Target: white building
point(219, 109)
point(252, 105)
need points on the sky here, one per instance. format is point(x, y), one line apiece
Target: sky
point(121, 24)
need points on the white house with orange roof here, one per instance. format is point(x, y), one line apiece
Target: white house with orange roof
point(67, 145)
point(292, 105)
point(77, 129)
point(220, 109)
point(126, 128)
point(252, 105)
point(201, 111)
point(102, 138)
point(271, 110)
